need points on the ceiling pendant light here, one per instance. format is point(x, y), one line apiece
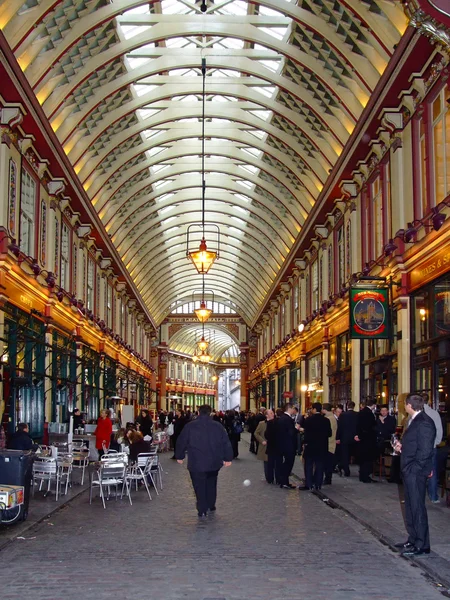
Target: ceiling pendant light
point(203, 344)
point(203, 259)
point(203, 313)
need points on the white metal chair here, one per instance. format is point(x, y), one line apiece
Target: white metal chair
point(65, 465)
point(141, 471)
point(109, 474)
point(80, 460)
point(152, 460)
point(46, 469)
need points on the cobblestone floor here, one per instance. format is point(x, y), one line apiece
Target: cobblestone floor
point(263, 543)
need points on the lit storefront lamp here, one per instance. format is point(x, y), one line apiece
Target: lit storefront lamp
point(423, 314)
point(214, 378)
point(304, 388)
point(203, 344)
point(204, 357)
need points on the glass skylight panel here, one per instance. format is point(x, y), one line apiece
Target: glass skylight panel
point(223, 121)
point(130, 31)
point(174, 7)
point(264, 115)
point(245, 183)
point(145, 113)
point(236, 230)
point(240, 209)
point(234, 8)
point(249, 168)
point(241, 221)
point(232, 43)
point(178, 72)
point(266, 91)
point(257, 133)
point(276, 32)
point(136, 62)
point(243, 197)
point(272, 65)
point(253, 152)
point(149, 133)
point(172, 239)
point(161, 182)
point(171, 229)
point(159, 168)
point(156, 150)
point(166, 209)
point(269, 12)
point(164, 197)
point(178, 42)
point(141, 89)
point(169, 219)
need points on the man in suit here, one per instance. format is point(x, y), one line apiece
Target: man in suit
point(329, 459)
point(285, 447)
point(367, 441)
point(209, 449)
point(317, 430)
point(345, 436)
point(416, 461)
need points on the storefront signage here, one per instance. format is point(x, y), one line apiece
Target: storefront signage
point(370, 314)
point(429, 270)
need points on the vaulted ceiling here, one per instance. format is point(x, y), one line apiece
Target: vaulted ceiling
point(121, 84)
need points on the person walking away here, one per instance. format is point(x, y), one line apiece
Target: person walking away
point(162, 420)
point(208, 447)
point(432, 482)
point(263, 445)
point(329, 460)
point(285, 447)
point(145, 423)
point(345, 437)
point(317, 430)
point(416, 462)
point(103, 432)
point(367, 441)
point(297, 420)
point(385, 427)
point(179, 423)
point(21, 439)
point(233, 427)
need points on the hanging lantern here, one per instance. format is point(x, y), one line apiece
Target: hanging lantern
point(203, 313)
point(203, 344)
point(202, 258)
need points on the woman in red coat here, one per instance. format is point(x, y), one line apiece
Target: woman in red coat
point(103, 432)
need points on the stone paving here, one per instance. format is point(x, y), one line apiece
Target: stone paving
point(263, 543)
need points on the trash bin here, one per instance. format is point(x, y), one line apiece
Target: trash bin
point(16, 468)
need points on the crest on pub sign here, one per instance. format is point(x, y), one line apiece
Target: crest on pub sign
point(370, 315)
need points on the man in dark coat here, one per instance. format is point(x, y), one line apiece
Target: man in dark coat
point(385, 426)
point(367, 441)
point(416, 461)
point(21, 440)
point(209, 449)
point(285, 446)
point(345, 437)
point(317, 431)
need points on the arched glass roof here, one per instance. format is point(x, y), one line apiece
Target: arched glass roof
point(120, 83)
point(223, 346)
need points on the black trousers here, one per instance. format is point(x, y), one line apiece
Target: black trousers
point(205, 488)
point(346, 451)
point(283, 467)
point(330, 462)
point(314, 468)
point(269, 469)
point(416, 518)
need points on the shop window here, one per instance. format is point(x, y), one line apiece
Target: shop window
point(90, 284)
point(75, 269)
point(441, 144)
point(171, 369)
point(332, 357)
point(295, 305)
point(27, 213)
point(330, 270)
point(423, 158)
point(282, 319)
point(109, 305)
point(189, 372)
point(320, 269)
point(442, 308)
point(340, 242)
point(377, 216)
point(65, 257)
point(421, 317)
point(344, 351)
point(315, 285)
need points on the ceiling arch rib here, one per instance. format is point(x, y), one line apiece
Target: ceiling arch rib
point(218, 203)
point(91, 159)
point(220, 340)
point(288, 155)
point(139, 175)
point(119, 211)
point(121, 85)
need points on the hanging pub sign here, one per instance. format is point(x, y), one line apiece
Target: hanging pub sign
point(370, 314)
